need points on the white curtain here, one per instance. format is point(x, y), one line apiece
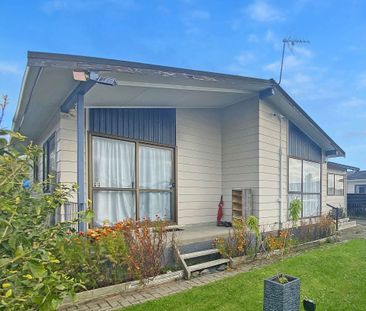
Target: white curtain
point(113, 167)
point(311, 177)
point(155, 168)
point(155, 173)
point(113, 206)
point(113, 163)
point(294, 175)
point(153, 204)
point(311, 205)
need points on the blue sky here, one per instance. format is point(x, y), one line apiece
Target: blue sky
point(326, 77)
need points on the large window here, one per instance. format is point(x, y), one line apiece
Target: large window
point(335, 185)
point(304, 184)
point(131, 180)
point(49, 164)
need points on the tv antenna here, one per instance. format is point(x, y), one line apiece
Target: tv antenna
point(290, 43)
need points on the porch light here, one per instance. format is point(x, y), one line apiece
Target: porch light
point(80, 76)
point(84, 76)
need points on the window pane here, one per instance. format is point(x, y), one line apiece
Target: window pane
point(311, 205)
point(113, 163)
point(153, 204)
point(361, 189)
point(52, 156)
point(330, 184)
point(339, 184)
point(113, 206)
point(291, 197)
point(49, 163)
point(311, 177)
point(294, 175)
point(155, 168)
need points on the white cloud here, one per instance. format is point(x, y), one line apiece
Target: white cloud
point(272, 38)
point(193, 20)
point(291, 63)
point(354, 103)
point(245, 58)
point(361, 81)
point(303, 51)
point(52, 6)
point(200, 15)
point(253, 38)
point(262, 11)
point(6, 68)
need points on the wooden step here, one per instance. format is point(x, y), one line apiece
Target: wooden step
point(200, 253)
point(207, 264)
point(343, 220)
point(346, 225)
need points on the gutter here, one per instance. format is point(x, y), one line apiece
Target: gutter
point(339, 150)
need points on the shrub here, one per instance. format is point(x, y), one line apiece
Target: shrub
point(241, 236)
point(321, 228)
point(114, 254)
point(96, 259)
point(146, 241)
point(30, 275)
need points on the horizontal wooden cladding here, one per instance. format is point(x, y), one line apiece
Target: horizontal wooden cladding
point(199, 161)
point(157, 125)
point(240, 149)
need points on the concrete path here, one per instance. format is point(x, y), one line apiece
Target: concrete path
point(126, 299)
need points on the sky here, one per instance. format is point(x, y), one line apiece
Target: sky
point(327, 76)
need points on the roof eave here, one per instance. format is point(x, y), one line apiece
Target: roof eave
point(339, 151)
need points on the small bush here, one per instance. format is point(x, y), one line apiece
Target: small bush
point(243, 237)
point(114, 254)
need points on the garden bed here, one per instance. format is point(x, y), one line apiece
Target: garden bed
point(237, 261)
point(92, 294)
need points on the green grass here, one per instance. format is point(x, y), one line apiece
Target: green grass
point(333, 275)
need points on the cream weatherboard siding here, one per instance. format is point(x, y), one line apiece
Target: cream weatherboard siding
point(351, 184)
point(269, 165)
point(240, 146)
point(199, 159)
point(218, 150)
point(64, 127)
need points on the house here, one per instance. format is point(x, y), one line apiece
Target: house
point(144, 140)
point(337, 184)
point(357, 182)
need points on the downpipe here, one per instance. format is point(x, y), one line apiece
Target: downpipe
point(280, 153)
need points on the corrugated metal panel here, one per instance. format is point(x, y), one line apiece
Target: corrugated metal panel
point(155, 125)
point(301, 146)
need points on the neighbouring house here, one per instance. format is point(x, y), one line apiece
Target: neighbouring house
point(356, 182)
point(337, 184)
point(143, 140)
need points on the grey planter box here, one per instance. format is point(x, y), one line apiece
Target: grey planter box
point(281, 297)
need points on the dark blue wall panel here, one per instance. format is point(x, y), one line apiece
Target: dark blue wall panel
point(155, 125)
point(301, 146)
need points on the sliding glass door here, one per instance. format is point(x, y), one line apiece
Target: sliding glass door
point(131, 180)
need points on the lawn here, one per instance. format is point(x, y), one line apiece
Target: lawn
point(333, 275)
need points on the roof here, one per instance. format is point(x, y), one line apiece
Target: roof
point(341, 167)
point(48, 81)
point(357, 175)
